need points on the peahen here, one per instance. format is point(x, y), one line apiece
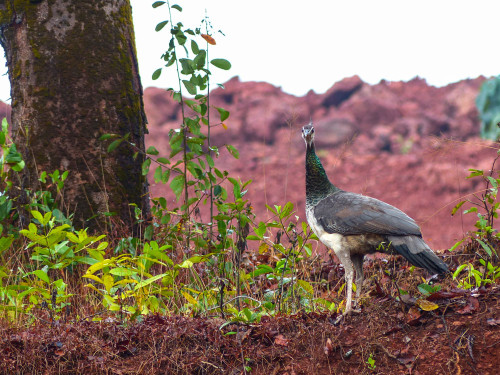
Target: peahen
point(354, 225)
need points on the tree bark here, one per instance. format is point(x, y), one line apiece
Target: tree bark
point(74, 76)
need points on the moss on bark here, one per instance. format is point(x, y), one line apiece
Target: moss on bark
point(73, 72)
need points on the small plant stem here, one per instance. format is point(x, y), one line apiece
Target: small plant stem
point(240, 247)
point(184, 140)
point(209, 145)
point(221, 299)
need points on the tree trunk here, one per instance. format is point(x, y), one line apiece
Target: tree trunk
point(74, 76)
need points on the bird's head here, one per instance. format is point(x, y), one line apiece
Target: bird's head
point(308, 134)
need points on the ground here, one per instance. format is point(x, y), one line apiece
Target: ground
point(391, 335)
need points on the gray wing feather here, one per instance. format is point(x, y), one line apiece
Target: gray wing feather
point(349, 214)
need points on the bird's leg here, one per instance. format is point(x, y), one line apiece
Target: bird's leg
point(357, 260)
point(346, 261)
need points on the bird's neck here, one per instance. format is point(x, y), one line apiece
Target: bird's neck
point(318, 186)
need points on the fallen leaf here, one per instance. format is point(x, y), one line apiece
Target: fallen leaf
point(443, 295)
point(407, 299)
point(328, 346)
point(413, 315)
point(471, 306)
point(426, 305)
point(406, 359)
point(493, 321)
point(280, 340)
point(242, 335)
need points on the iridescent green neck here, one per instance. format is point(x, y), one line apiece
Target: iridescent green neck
point(318, 186)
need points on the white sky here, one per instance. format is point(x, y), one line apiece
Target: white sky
point(303, 45)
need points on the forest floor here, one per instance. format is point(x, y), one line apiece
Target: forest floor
point(451, 331)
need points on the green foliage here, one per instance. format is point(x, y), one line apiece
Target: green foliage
point(471, 277)
point(427, 289)
point(371, 362)
point(485, 207)
point(488, 105)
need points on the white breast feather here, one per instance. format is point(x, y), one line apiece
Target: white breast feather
point(331, 240)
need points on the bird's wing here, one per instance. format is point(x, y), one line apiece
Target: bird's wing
point(349, 213)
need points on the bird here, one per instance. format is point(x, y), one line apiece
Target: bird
point(353, 225)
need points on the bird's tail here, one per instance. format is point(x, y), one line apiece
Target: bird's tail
point(418, 253)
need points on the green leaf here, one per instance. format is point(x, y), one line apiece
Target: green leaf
point(217, 190)
point(306, 287)
point(42, 275)
point(493, 182)
point(143, 283)
point(122, 271)
point(156, 74)
point(165, 176)
point(5, 243)
point(163, 160)
point(233, 151)
point(18, 166)
point(152, 151)
point(194, 47)
point(210, 161)
point(38, 216)
point(475, 172)
point(157, 4)
point(46, 218)
point(221, 64)
point(181, 38)
point(177, 185)
point(107, 136)
point(161, 25)
point(158, 174)
point(223, 114)
point(13, 156)
point(221, 227)
point(113, 145)
point(261, 269)
point(484, 246)
point(456, 245)
point(456, 208)
point(145, 166)
point(426, 289)
point(190, 87)
point(178, 7)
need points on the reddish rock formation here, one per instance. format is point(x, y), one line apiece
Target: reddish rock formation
point(407, 143)
point(4, 111)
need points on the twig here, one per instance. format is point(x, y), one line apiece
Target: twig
point(232, 299)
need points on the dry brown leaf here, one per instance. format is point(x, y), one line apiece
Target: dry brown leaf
point(493, 321)
point(413, 315)
point(209, 39)
point(471, 306)
point(281, 340)
point(328, 346)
